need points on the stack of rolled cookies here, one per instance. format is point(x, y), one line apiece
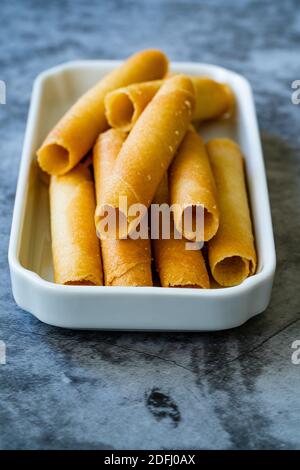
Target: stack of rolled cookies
point(136, 126)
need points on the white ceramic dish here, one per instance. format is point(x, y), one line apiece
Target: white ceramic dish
point(143, 308)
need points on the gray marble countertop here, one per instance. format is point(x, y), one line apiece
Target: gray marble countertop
point(101, 390)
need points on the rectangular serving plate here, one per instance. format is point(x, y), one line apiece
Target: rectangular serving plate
point(131, 308)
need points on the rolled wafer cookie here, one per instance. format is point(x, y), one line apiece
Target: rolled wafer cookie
point(150, 148)
point(192, 185)
point(213, 99)
point(75, 246)
point(231, 252)
point(125, 262)
point(177, 266)
point(76, 132)
point(124, 106)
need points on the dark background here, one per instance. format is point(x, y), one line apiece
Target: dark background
point(234, 389)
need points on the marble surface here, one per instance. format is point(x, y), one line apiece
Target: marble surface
point(231, 390)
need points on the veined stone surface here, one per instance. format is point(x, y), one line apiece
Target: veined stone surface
point(91, 390)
